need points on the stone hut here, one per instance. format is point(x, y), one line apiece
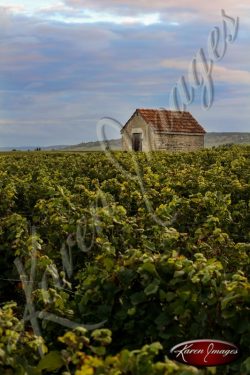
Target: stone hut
point(160, 129)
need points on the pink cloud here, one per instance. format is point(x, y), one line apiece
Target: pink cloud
point(219, 73)
point(201, 7)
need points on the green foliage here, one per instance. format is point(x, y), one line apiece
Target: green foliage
point(83, 358)
point(51, 362)
point(18, 347)
point(155, 252)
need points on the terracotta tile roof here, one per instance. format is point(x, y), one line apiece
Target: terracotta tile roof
point(170, 121)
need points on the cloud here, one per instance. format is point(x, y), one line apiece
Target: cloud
point(58, 78)
point(203, 8)
point(72, 15)
point(219, 73)
point(157, 4)
point(131, 12)
point(232, 76)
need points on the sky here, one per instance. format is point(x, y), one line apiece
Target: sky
point(64, 65)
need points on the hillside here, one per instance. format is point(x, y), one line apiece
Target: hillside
point(211, 139)
point(216, 139)
point(114, 144)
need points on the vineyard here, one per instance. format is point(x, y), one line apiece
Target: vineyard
point(108, 259)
